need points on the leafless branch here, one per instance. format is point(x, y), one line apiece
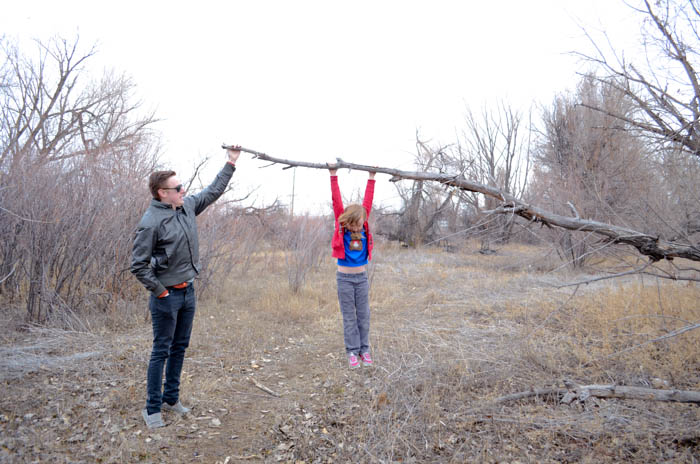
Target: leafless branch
point(612, 276)
point(263, 387)
point(648, 245)
point(675, 333)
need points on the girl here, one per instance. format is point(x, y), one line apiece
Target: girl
point(352, 244)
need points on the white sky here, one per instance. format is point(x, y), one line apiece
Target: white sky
point(312, 80)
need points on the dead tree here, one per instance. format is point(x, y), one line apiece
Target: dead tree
point(585, 163)
point(666, 90)
point(423, 204)
point(74, 153)
point(495, 151)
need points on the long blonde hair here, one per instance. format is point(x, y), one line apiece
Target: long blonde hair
point(353, 215)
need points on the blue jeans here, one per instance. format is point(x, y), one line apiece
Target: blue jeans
point(353, 296)
point(172, 318)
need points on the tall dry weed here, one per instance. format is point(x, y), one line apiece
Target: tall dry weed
point(306, 239)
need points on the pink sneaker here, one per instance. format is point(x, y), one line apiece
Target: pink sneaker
point(366, 359)
point(353, 362)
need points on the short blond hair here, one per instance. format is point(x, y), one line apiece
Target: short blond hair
point(353, 215)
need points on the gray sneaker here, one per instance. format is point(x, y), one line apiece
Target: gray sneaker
point(153, 421)
point(177, 407)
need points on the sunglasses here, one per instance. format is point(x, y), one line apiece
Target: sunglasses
point(177, 188)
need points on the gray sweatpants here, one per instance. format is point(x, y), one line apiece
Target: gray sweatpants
point(353, 296)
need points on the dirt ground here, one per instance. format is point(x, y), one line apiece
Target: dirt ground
point(449, 335)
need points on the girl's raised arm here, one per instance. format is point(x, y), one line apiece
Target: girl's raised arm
point(338, 207)
point(369, 194)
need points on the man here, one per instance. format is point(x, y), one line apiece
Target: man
point(165, 260)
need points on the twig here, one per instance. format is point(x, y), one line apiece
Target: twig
point(263, 387)
point(242, 458)
point(550, 314)
point(675, 333)
point(25, 218)
point(236, 392)
point(475, 226)
point(612, 276)
point(11, 272)
point(573, 209)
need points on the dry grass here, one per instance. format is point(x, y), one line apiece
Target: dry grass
point(451, 332)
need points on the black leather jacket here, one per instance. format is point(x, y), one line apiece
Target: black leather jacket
point(166, 247)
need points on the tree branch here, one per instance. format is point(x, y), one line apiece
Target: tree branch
point(648, 245)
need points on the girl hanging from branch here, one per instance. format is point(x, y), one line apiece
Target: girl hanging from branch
point(352, 244)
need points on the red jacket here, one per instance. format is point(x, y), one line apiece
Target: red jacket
point(337, 241)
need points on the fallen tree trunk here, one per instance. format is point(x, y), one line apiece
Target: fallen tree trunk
point(632, 393)
point(581, 393)
point(652, 246)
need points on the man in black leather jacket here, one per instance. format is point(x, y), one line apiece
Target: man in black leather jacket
point(165, 259)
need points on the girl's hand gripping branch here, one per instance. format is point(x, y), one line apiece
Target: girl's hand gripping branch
point(332, 168)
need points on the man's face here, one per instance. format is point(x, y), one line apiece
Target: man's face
point(169, 194)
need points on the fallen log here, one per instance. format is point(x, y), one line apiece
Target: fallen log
point(581, 393)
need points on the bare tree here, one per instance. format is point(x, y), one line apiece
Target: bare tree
point(422, 203)
point(663, 88)
point(666, 87)
point(494, 150)
point(74, 154)
point(52, 113)
point(586, 164)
